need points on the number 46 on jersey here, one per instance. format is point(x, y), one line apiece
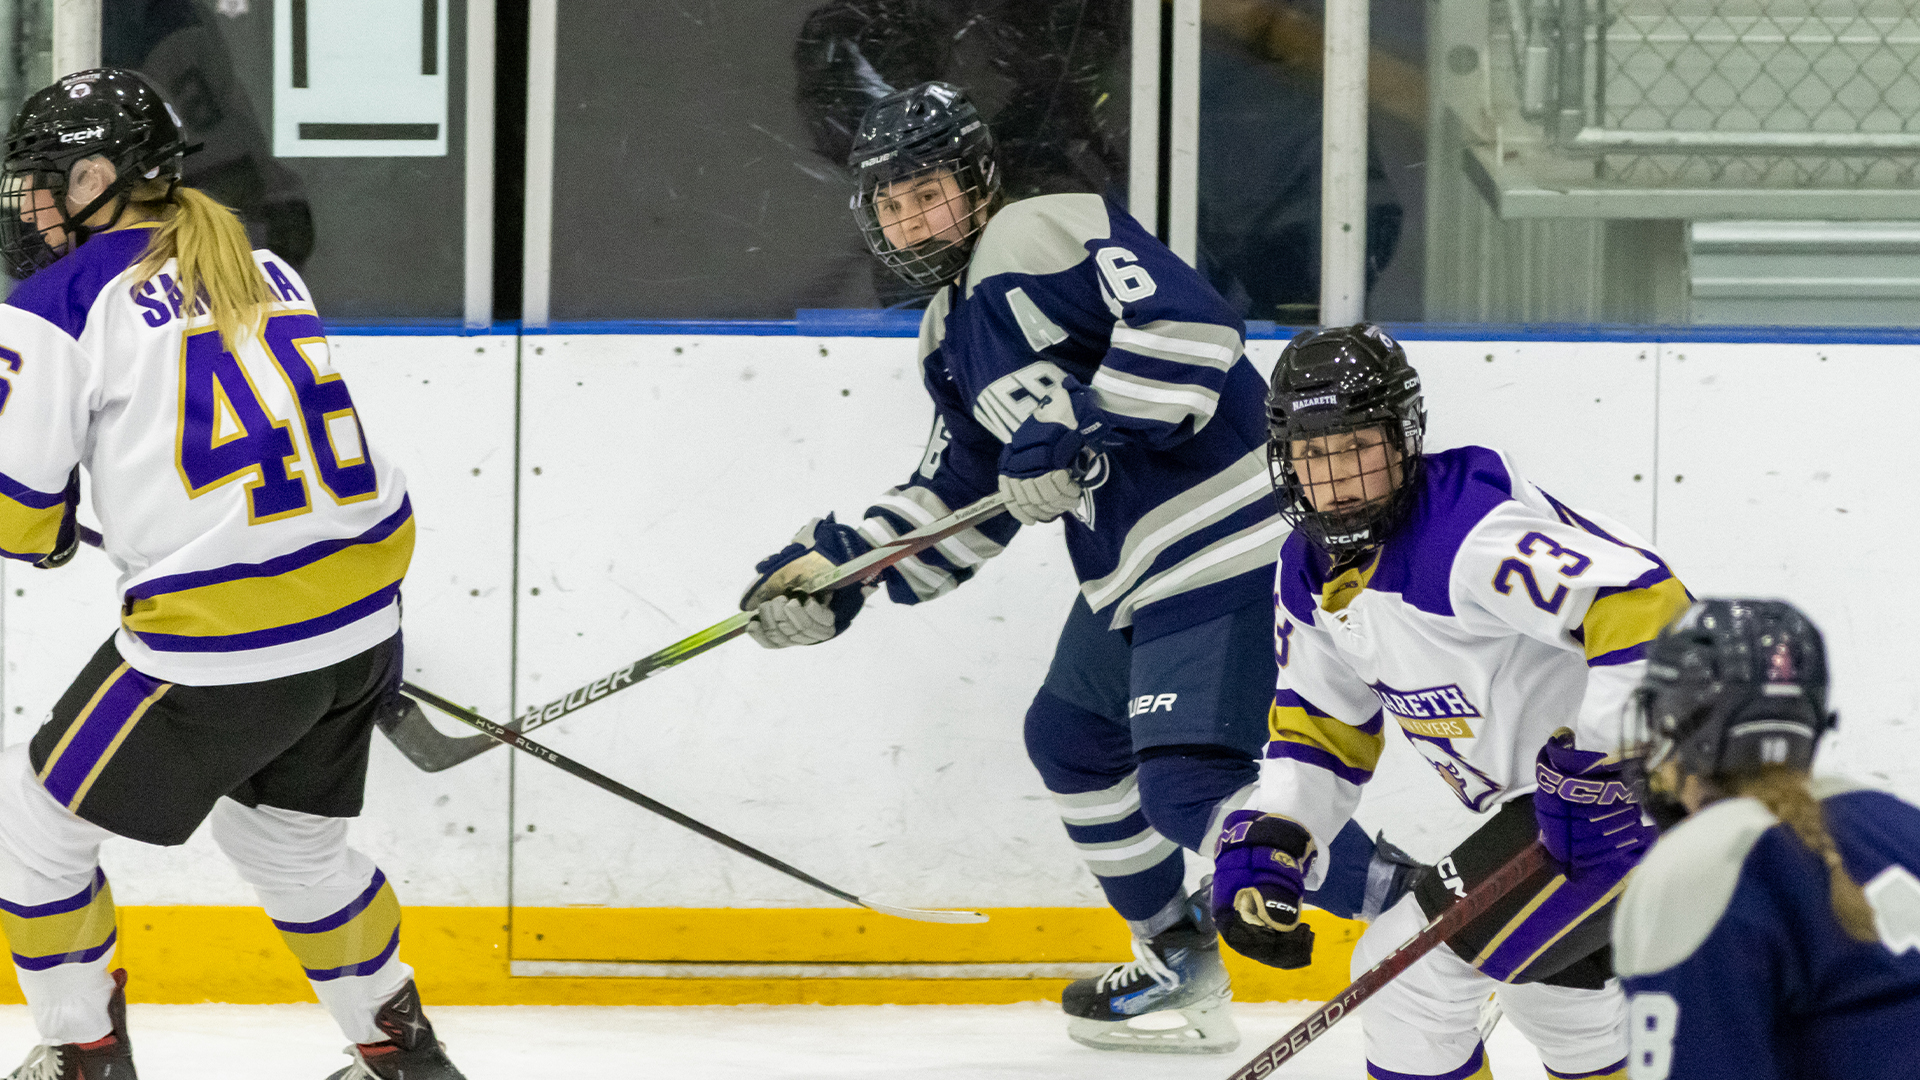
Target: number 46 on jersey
point(228, 429)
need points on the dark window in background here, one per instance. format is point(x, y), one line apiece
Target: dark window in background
point(509, 153)
point(1259, 201)
point(377, 239)
point(700, 149)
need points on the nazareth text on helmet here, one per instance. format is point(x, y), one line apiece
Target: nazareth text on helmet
point(872, 161)
point(1312, 402)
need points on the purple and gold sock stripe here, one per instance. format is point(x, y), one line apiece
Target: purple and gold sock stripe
point(1476, 1068)
point(1615, 1071)
point(356, 940)
point(95, 735)
point(76, 930)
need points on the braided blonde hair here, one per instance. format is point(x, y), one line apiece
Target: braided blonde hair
point(1785, 793)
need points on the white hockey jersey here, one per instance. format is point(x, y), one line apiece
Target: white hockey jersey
point(1492, 617)
point(257, 533)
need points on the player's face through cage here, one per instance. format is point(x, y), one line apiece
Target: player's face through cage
point(33, 227)
point(1347, 474)
point(1650, 755)
point(922, 226)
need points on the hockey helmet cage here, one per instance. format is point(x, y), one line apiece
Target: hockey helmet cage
point(102, 112)
point(924, 171)
point(1732, 686)
point(1332, 382)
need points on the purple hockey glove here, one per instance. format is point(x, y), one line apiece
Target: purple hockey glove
point(1049, 453)
point(1587, 813)
point(1258, 876)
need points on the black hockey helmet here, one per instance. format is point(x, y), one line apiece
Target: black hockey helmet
point(1329, 383)
point(102, 112)
point(1730, 687)
point(927, 135)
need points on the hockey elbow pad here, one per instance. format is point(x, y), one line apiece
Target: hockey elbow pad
point(1259, 875)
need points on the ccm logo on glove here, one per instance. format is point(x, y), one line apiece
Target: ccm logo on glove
point(1576, 790)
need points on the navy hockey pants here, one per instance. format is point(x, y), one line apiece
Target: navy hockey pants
point(1144, 747)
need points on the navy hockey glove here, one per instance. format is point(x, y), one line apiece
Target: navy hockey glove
point(783, 616)
point(1258, 876)
point(1043, 464)
point(1586, 811)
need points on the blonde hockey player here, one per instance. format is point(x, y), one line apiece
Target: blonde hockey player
point(261, 543)
point(1771, 930)
point(1502, 631)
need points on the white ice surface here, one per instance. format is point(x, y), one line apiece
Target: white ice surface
point(741, 1042)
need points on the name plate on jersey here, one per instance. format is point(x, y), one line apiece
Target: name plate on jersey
point(1437, 712)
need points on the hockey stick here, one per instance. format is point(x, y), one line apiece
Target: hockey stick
point(1444, 925)
point(394, 721)
point(432, 751)
point(509, 737)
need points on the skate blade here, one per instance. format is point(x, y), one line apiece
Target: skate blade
point(938, 915)
point(1192, 1030)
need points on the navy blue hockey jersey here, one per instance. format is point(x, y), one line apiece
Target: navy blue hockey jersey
point(1177, 524)
point(1737, 969)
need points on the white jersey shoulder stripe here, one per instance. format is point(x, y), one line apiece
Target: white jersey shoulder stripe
point(1039, 236)
point(1182, 342)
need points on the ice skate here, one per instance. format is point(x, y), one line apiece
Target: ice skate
point(1173, 999)
point(110, 1058)
point(410, 1051)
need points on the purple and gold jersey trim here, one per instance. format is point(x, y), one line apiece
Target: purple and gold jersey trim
point(355, 940)
point(1302, 731)
point(1622, 622)
point(97, 733)
point(76, 930)
point(320, 588)
point(29, 520)
point(1476, 1068)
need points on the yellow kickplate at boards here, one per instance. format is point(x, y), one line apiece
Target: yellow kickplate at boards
point(463, 955)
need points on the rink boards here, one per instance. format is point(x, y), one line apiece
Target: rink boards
point(585, 499)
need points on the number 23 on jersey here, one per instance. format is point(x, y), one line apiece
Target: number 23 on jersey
point(228, 431)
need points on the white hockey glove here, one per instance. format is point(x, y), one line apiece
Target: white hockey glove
point(782, 616)
point(1051, 451)
point(1041, 498)
point(785, 621)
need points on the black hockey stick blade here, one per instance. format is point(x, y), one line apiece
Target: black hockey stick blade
point(1444, 925)
point(444, 751)
point(423, 744)
point(503, 734)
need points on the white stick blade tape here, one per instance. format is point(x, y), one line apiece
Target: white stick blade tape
point(924, 914)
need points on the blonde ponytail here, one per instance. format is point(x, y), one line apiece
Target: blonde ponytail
point(1785, 793)
point(215, 260)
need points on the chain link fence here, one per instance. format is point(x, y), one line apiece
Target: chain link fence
point(1734, 93)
